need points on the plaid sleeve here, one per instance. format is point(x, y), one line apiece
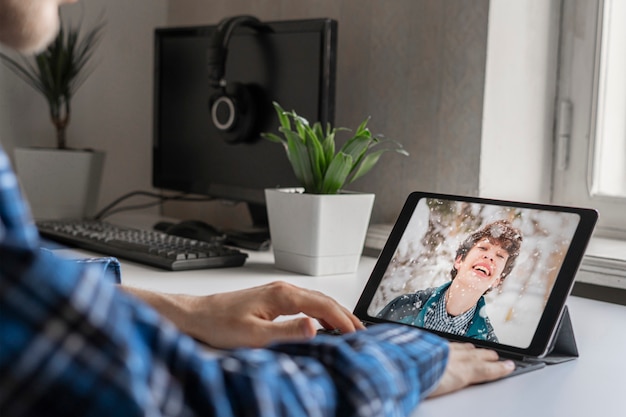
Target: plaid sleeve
point(109, 267)
point(17, 229)
point(384, 370)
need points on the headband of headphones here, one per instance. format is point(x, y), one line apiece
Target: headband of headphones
point(218, 46)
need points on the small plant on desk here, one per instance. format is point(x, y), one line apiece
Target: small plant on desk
point(312, 152)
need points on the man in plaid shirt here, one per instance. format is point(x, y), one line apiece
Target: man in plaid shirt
point(73, 342)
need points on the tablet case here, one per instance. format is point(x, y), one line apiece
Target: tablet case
point(564, 345)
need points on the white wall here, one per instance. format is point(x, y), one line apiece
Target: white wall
point(520, 88)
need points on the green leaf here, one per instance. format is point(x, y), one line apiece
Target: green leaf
point(357, 146)
point(283, 117)
point(321, 139)
point(337, 173)
point(362, 129)
point(300, 123)
point(366, 164)
point(273, 137)
point(370, 160)
point(299, 159)
point(25, 71)
point(316, 156)
point(319, 132)
point(328, 144)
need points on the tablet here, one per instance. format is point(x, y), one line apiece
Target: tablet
point(491, 272)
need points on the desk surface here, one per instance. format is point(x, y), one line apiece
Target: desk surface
point(594, 384)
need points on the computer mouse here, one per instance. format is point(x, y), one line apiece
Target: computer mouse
point(196, 229)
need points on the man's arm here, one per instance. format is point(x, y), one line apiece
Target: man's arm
point(75, 344)
point(244, 318)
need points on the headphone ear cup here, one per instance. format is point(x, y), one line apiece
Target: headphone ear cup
point(234, 113)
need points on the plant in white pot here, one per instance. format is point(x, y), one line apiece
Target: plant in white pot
point(320, 229)
point(60, 181)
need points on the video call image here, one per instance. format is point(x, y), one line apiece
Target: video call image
point(475, 270)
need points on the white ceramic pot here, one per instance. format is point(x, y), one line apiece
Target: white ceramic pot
point(60, 183)
point(317, 234)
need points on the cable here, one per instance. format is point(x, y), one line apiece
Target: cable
point(108, 210)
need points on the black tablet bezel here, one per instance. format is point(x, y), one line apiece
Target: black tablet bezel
point(549, 321)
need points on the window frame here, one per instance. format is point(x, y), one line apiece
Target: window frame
point(576, 107)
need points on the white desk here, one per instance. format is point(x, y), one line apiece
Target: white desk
point(592, 385)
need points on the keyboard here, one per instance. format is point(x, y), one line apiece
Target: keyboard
point(148, 247)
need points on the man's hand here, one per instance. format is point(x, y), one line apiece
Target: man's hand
point(246, 317)
point(469, 365)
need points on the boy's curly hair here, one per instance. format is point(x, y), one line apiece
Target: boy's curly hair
point(501, 233)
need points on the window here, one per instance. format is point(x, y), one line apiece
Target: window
point(590, 154)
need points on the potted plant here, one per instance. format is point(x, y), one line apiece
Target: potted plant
point(320, 228)
point(60, 181)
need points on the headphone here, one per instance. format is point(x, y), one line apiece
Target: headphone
point(234, 109)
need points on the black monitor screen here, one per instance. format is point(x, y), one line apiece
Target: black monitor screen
point(293, 64)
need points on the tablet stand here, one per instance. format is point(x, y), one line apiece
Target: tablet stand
point(564, 344)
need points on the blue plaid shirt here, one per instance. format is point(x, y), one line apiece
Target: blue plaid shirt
point(71, 343)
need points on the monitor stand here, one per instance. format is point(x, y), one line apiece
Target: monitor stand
point(258, 236)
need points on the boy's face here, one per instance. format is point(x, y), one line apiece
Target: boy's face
point(29, 25)
point(483, 265)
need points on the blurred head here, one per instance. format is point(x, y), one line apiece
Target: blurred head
point(29, 25)
point(498, 239)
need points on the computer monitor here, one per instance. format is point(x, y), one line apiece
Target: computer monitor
point(291, 62)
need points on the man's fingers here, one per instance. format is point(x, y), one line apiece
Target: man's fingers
point(486, 362)
point(266, 332)
point(353, 323)
point(469, 365)
point(247, 317)
point(289, 299)
point(462, 346)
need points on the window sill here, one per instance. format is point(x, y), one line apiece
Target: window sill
point(604, 263)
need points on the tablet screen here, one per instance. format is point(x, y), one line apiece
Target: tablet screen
point(482, 269)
